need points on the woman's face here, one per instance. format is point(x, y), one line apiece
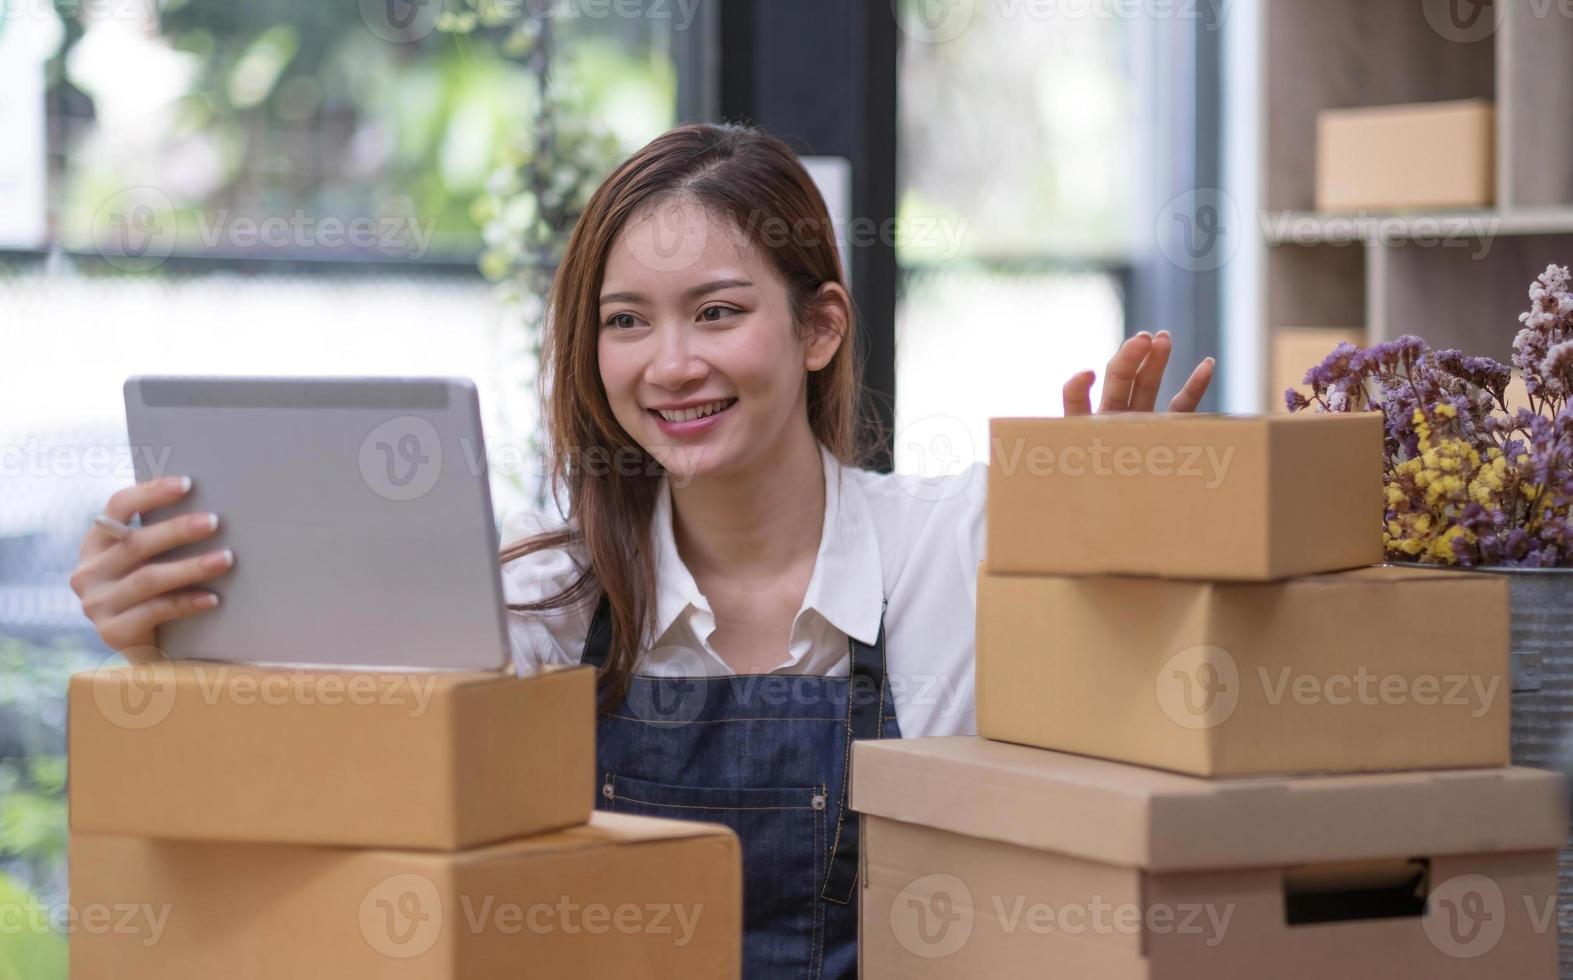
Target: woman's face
point(698, 352)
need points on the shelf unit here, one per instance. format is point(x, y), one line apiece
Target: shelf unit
point(1459, 279)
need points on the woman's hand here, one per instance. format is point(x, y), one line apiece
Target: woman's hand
point(1134, 375)
point(126, 595)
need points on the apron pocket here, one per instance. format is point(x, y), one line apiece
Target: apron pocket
point(783, 835)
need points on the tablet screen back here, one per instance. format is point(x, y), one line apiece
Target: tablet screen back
point(358, 510)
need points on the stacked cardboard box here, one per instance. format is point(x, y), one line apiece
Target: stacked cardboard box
point(1295, 350)
point(1216, 741)
point(237, 821)
point(1427, 155)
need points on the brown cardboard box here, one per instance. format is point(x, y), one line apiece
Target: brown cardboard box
point(623, 896)
point(1378, 668)
point(982, 859)
point(222, 752)
point(1432, 155)
point(1185, 496)
point(1298, 349)
point(1517, 394)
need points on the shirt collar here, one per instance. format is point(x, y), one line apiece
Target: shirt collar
point(846, 588)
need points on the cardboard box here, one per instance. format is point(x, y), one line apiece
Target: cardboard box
point(1185, 496)
point(1517, 394)
point(982, 859)
point(1297, 350)
point(1376, 669)
point(624, 896)
point(212, 751)
point(1432, 155)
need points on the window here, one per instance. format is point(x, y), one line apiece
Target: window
point(1038, 143)
point(273, 187)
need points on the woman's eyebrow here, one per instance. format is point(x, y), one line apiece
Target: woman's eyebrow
point(715, 286)
point(622, 298)
point(688, 294)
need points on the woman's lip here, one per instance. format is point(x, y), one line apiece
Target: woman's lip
point(693, 427)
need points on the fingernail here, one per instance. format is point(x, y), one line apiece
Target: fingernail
point(1145, 334)
point(208, 601)
point(1163, 333)
point(1211, 360)
point(181, 483)
point(212, 522)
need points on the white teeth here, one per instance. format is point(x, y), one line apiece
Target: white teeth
point(698, 412)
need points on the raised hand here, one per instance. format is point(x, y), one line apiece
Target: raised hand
point(1134, 375)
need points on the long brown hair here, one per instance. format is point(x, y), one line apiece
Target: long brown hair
point(754, 181)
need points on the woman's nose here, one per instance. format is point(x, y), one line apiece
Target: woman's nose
point(672, 362)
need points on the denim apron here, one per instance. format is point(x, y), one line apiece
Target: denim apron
point(767, 755)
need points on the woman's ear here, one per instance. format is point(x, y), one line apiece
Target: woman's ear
point(827, 325)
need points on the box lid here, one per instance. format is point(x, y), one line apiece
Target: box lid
point(1403, 110)
point(1137, 817)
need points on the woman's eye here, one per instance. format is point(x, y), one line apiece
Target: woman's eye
point(713, 313)
point(621, 320)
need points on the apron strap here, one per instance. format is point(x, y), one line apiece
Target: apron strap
point(865, 719)
point(598, 642)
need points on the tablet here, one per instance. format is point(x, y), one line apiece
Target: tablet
point(358, 510)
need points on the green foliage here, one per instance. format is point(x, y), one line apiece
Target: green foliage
point(29, 949)
point(33, 810)
point(33, 825)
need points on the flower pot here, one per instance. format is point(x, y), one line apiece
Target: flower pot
point(1542, 666)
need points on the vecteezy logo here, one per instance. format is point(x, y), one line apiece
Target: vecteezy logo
point(135, 230)
point(1464, 21)
point(400, 20)
point(677, 695)
point(401, 916)
point(401, 459)
point(1199, 230)
point(933, 21)
point(1466, 916)
point(932, 917)
point(1199, 687)
point(936, 448)
point(135, 697)
point(669, 238)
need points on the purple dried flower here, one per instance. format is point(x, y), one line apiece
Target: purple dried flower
point(1547, 325)
point(1557, 368)
point(1482, 372)
point(1515, 506)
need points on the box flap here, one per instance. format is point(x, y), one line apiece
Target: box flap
point(1393, 573)
point(1137, 817)
point(211, 674)
point(603, 830)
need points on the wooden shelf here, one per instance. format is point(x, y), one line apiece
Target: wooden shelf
point(1457, 278)
point(1317, 228)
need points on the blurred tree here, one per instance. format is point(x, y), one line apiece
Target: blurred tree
point(30, 950)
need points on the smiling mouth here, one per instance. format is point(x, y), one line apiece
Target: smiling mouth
point(697, 412)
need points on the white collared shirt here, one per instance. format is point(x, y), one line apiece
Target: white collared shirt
point(912, 540)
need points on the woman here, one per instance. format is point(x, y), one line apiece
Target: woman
point(752, 599)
